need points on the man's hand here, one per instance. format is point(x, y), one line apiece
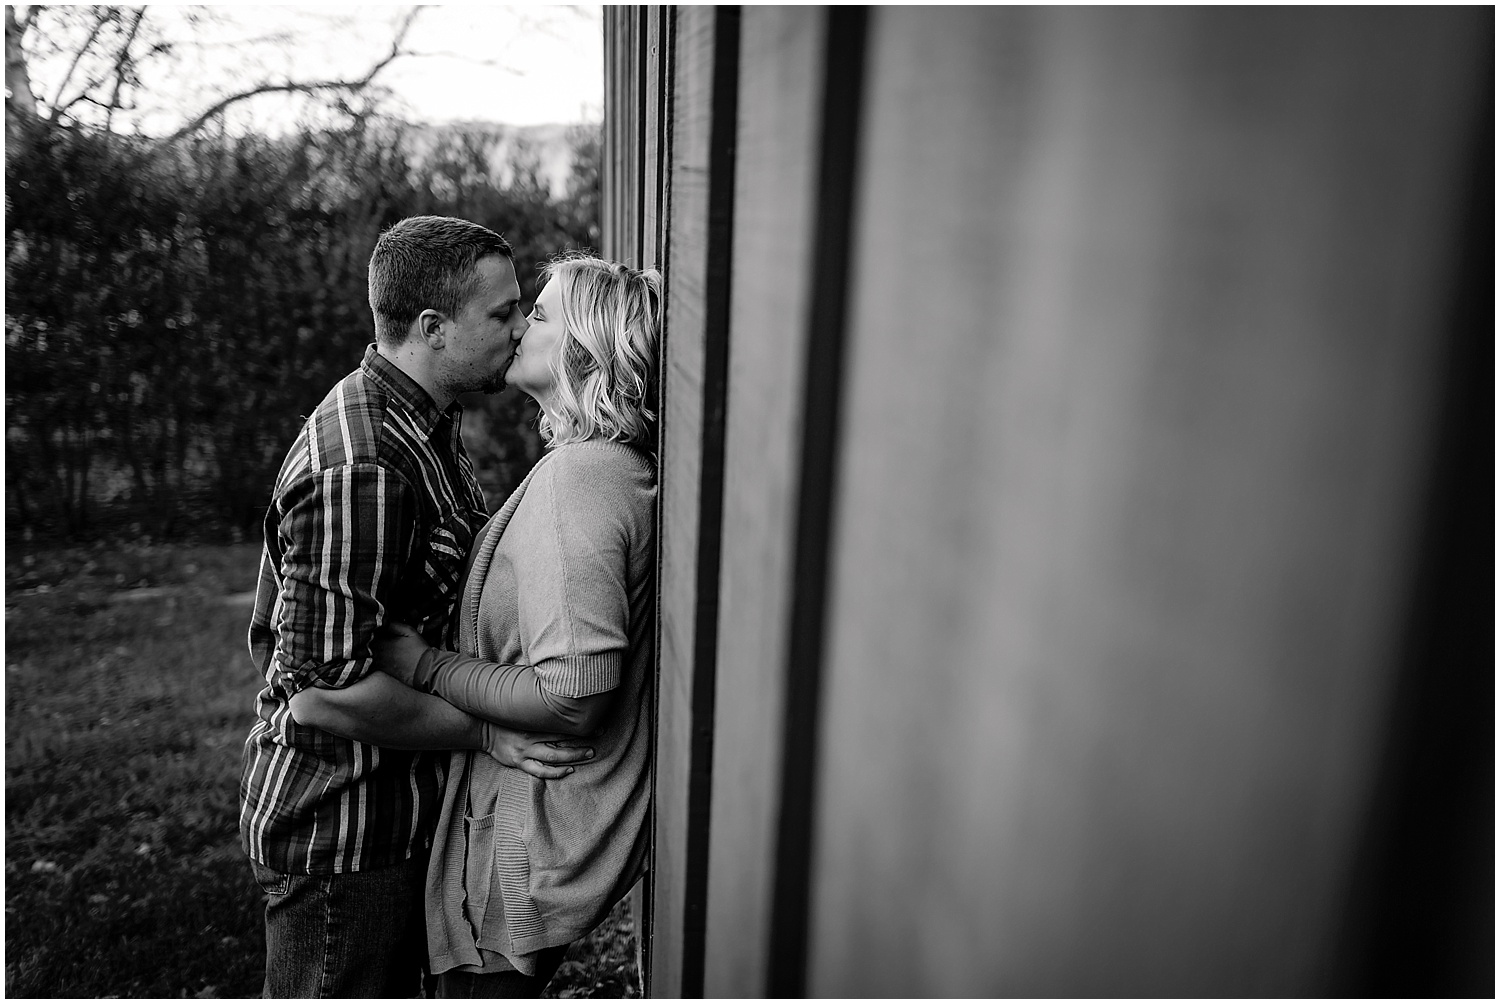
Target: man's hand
point(541, 754)
point(397, 648)
point(382, 711)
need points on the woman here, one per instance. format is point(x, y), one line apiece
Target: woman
point(555, 626)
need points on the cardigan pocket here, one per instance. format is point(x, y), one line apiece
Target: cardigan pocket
point(513, 807)
point(513, 884)
point(479, 869)
point(497, 880)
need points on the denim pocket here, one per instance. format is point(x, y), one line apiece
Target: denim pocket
point(271, 881)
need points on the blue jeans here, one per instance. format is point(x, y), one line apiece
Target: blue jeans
point(506, 984)
point(358, 934)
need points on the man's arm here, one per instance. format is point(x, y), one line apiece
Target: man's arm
point(347, 533)
point(381, 710)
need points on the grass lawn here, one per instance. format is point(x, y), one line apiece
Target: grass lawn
point(129, 692)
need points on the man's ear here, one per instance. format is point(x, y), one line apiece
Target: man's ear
point(429, 327)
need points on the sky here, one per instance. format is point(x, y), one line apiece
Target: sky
point(517, 64)
point(551, 64)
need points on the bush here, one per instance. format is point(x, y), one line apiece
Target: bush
point(172, 315)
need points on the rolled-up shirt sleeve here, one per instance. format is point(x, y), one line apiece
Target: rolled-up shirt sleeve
point(346, 534)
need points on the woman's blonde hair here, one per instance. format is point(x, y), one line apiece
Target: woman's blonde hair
point(604, 372)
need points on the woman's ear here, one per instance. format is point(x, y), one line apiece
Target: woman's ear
point(430, 327)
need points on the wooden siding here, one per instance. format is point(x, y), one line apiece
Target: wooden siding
point(638, 46)
point(778, 131)
point(1140, 400)
point(1049, 493)
point(688, 60)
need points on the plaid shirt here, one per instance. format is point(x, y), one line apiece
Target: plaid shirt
point(371, 520)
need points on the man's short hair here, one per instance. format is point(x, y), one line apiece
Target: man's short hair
point(426, 262)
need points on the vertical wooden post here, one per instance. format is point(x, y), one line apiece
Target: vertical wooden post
point(701, 171)
point(621, 136)
point(635, 194)
point(781, 83)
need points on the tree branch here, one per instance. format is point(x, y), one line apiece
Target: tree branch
point(492, 62)
point(301, 87)
point(120, 65)
point(102, 16)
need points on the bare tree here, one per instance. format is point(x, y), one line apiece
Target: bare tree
point(98, 59)
point(20, 103)
point(343, 87)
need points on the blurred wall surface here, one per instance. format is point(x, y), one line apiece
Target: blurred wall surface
point(1077, 496)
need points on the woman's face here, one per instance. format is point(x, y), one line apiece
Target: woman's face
point(531, 369)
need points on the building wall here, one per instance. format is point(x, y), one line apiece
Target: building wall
point(1072, 471)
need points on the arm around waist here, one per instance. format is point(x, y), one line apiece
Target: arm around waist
point(382, 711)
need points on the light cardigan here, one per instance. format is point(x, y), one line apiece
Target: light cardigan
point(562, 579)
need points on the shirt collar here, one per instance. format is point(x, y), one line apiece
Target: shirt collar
point(407, 392)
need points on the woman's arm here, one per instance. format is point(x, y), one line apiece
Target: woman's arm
point(572, 612)
point(506, 694)
point(380, 710)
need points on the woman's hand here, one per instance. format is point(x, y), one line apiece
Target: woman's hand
point(546, 755)
point(397, 648)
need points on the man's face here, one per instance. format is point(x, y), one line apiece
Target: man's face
point(480, 340)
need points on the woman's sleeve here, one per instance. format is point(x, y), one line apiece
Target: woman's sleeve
point(573, 600)
point(506, 694)
point(573, 607)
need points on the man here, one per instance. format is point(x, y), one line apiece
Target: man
point(370, 521)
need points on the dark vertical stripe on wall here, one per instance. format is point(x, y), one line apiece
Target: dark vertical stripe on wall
point(843, 84)
point(643, 37)
point(607, 196)
point(1420, 921)
point(645, 924)
point(725, 104)
point(667, 68)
